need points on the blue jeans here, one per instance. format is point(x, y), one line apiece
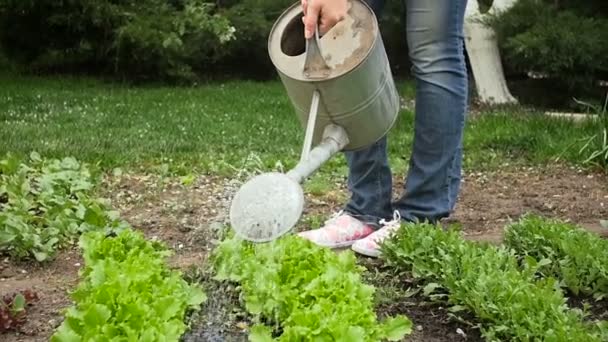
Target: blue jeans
point(436, 50)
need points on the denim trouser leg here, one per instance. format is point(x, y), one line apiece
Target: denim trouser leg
point(435, 41)
point(370, 182)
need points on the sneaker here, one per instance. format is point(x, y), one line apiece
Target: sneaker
point(342, 230)
point(370, 245)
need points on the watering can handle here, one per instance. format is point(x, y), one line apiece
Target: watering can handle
point(314, 64)
point(310, 126)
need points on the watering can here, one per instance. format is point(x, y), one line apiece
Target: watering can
point(341, 88)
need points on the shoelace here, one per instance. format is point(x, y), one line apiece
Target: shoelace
point(334, 216)
point(390, 226)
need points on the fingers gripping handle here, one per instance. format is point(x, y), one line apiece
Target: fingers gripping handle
point(315, 66)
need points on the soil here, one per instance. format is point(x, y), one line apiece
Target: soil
point(189, 218)
point(489, 201)
point(51, 282)
point(222, 319)
point(397, 294)
point(597, 310)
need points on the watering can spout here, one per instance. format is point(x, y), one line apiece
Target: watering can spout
point(334, 140)
point(270, 204)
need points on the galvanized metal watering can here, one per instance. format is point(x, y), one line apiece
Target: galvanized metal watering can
point(341, 87)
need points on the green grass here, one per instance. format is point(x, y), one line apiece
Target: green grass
point(515, 136)
point(215, 127)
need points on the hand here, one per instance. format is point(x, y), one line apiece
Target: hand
point(327, 12)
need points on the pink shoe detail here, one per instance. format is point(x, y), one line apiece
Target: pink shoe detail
point(370, 246)
point(342, 230)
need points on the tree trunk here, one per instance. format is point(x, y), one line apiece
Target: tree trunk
point(484, 56)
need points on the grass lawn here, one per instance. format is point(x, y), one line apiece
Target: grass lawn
point(214, 127)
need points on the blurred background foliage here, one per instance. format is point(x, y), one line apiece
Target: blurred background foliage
point(185, 41)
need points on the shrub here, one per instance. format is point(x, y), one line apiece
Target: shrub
point(156, 39)
point(565, 43)
point(139, 39)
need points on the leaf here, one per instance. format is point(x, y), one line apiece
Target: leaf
point(169, 307)
point(260, 333)
point(255, 307)
point(354, 334)
point(41, 256)
point(188, 179)
point(430, 288)
point(35, 157)
point(96, 315)
point(95, 217)
point(6, 237)
point(197, 296)
point(411, 292)
point(457, 308)
point(18, 303)
point(64, 334)
point(397, 327)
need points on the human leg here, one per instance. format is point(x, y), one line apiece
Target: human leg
point(435, 41)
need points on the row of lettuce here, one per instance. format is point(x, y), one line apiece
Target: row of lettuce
point(127, 292)
point(126, 289)
point(298, 291)
point(516, 291)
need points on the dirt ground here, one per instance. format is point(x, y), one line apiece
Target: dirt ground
point(188, 217)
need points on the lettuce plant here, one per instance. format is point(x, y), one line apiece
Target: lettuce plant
point(309, 293)
point(127, 292)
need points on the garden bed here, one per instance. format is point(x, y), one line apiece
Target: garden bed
point(188, 217)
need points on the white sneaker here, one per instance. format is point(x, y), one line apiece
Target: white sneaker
point(370, 245)
point(342, 230)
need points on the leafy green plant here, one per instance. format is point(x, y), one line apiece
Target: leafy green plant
point(574, 255)
point(46, 204)
point(14, 309)
point(488, 282)
point(127, 292)
point(309, 292)
point(159, 39)
point(557, 39)
point(596, 146)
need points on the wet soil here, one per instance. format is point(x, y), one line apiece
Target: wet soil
point(223, 318)
point(189, 218)
point(596, 310)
